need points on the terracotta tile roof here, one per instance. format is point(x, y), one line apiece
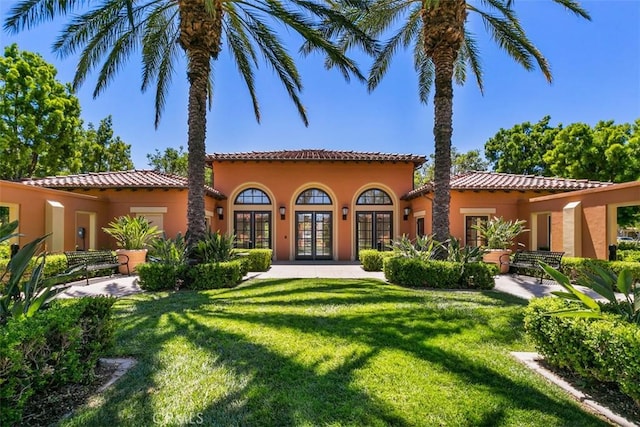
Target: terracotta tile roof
point(506, 181)
point(316, 155)
point(120, 179)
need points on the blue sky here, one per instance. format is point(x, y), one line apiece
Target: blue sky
point(595, 65)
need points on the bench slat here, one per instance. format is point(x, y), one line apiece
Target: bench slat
point(527, 260)
point(93, 261)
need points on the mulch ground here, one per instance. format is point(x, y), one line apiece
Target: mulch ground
point(606, 394)
point(48, 408)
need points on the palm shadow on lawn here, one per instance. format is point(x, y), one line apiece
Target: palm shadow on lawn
point(279, 390)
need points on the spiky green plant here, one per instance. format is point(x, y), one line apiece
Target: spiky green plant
point(132, 232)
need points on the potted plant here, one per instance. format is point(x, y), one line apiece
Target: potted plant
point(133, 235)
point(499, 236)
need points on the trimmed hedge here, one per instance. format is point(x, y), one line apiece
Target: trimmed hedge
point(629, 246)
point(602, 349)
point(629, 255)
point(571, 266)
point(258, 259)
point(56, 346)
point(215, 276)
point(155, 276)
point(372, 259)
point(438, 274)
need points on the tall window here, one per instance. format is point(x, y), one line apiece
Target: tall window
point(472, 237)
point(374, 229)
point(420, 226)
point(252, 227)
point(313, 196)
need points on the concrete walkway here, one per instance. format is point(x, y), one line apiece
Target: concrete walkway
point(521, 286)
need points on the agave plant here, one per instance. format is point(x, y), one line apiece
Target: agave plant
point(424, 247)
point(605, 283)
point(498, 233)
point(215, 247)
point(132, 233)
point(169, 251)
point(22, 297)
point(457, 253)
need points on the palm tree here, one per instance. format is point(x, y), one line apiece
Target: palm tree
point(442, 51)
point(114, 30)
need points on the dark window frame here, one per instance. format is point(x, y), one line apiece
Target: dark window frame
point(253, 229)
point(378, 194)
point(374, 230)
point(316, 194)
point(256, 194)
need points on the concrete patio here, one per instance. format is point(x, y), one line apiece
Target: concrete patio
point(521, 286)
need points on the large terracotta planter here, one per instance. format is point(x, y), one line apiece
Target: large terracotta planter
point(136, 257)
point(493, 256)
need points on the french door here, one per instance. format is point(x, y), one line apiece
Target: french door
point(313, 235)
point(374, 230)
point(252, 229)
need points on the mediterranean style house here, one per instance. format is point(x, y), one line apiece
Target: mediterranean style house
point(318, 204)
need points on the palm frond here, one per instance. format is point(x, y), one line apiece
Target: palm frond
point(405, 35)
point(29, 13)
point(515, 43)
point(243, 52)
point(425, 68)
point(277, 57)
point(470, 51)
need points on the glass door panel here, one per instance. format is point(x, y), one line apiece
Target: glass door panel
point(313, 235)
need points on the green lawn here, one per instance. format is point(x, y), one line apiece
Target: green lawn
point(326, 352)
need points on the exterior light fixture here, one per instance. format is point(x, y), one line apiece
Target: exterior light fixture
point(345, 211)
point(406, 213)
point(282, 211)
point(220, 211)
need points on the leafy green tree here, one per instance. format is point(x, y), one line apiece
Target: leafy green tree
point(39, 117)
point(460, 163)
point(101, 151)
point(606, 152)
point(521, 149)
point(442, 50)
point(116, 29)
point(171, 161)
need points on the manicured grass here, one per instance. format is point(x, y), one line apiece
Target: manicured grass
point(326, 352)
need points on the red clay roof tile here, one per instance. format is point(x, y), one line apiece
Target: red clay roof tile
point(505, 181)
point(317, 155)
point(119, 179)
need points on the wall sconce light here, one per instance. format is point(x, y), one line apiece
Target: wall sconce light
point(345, 212)
point(220, 211)
point(282, 211)
point(406, 213)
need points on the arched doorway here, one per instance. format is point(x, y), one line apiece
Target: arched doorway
point(314, 225)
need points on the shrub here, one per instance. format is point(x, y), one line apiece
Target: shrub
point(257, 259)
point(629, 255)
point(423, 247)
point(572, 267)
point(215, 247)
point(215, 275)
point(372, 259)
point(417, 273)
point(155, 276)
point(56, 346)
point(629, 246)
point(478, 275)
point(603, 349)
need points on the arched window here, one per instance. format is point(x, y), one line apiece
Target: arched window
point(313, 196)
point(252, 227)
point(253, 196)
point(374, 196)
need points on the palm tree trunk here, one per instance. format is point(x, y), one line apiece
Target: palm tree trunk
point(198, 72)
point(200, 37)
point(443, 35)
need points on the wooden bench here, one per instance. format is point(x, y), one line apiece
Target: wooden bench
point(529, 261)
point(87, 261)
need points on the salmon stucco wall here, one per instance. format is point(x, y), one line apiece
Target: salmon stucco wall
point(31, 203)
point(510, 205)
point(283, 181)
point(598, 209)
point(169, 204)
